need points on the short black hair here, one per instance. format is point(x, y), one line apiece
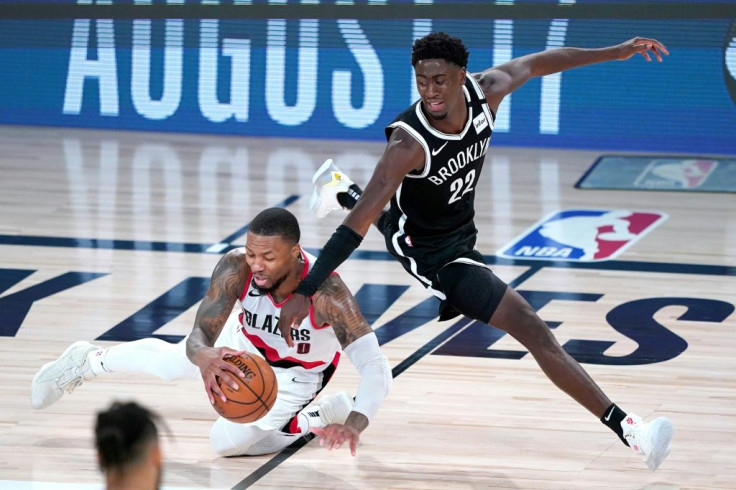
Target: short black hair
point(122, 433)
point(276, 222)
point(439, 45)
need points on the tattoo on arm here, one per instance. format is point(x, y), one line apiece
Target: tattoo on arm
point(334, 304)
point(226, 284)
point(357, 420)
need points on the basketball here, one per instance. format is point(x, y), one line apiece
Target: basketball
point(256, 392)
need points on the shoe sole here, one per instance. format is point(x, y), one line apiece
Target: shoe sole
point(45, 367)
point(661, 448)
point(322, 169)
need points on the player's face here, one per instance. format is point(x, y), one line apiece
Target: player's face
point(271, 259)
point(440, 87)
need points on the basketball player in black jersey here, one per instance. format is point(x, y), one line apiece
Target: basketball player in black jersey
point(429, 172)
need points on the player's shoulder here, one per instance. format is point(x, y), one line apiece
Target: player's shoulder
point(332, 286)
point(235, 255)
point(233, 261)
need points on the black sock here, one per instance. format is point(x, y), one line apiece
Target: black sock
point(348, 199)
point(612, 417)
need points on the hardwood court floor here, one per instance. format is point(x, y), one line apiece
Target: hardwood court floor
point(112, 235)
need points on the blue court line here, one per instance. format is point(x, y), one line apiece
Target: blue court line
point(98, 243)
point(222, 246)
point(611, 265)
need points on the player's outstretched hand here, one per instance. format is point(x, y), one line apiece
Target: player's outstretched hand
point(212, 365)
point(335, 435)
point(292, 313)
point(643, 46)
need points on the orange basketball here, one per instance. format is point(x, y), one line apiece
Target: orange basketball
point(256, 392)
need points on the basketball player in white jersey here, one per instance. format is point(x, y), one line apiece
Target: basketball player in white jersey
point(260, 278)
point(429, 172)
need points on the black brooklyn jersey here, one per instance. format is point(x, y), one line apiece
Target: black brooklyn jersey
point(438, 200)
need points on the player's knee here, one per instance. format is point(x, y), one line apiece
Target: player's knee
point(227, 440)
point(220, 442)
point(527, 327)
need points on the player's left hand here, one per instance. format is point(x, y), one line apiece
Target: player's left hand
point(335, 435)
point(292, 313)
point(643, 46)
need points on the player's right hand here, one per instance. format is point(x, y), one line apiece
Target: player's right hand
point(212, 365)
point(292, 313)
point(335, 435)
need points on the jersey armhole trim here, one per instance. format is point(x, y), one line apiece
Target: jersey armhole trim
point(482, 97)
point(248, 282)
point(414, 134)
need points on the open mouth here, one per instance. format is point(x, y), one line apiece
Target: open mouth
point(434, 106)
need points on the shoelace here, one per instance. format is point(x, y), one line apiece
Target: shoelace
point(75, 380)
point(71, 386)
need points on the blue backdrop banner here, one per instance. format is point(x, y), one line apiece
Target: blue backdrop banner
point(347, 78)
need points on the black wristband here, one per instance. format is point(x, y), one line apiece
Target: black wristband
point(337, 249)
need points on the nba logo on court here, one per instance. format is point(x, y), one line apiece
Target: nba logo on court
point(675, 174)
point(583, 235)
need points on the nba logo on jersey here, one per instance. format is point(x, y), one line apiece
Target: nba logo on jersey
point(675, 174)
point(582, 235)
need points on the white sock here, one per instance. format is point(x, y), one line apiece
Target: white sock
point(148, 356)
point(96, 360)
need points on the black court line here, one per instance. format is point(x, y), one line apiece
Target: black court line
point(455, 328)
point(274, 462)
point(285, 454)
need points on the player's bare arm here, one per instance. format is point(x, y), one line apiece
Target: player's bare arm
point(334, 304)
point(402, 155)
point(227, 281)
point(499, 81)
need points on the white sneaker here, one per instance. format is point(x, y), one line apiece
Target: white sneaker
point(328, 182)
point(62, 375)
point(334, 409)
point(650, 440)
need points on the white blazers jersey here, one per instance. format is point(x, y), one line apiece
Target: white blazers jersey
point(316, 348)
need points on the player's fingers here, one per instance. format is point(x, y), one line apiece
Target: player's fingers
point(230, 379)
point(339, 440)
point(320, 433)
point(230, 371)
point(215, 390)
point(658, 47)
point(353, 445)
point(285, 329)
point(228, 352)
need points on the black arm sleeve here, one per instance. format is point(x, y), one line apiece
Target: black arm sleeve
point(337, 249)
